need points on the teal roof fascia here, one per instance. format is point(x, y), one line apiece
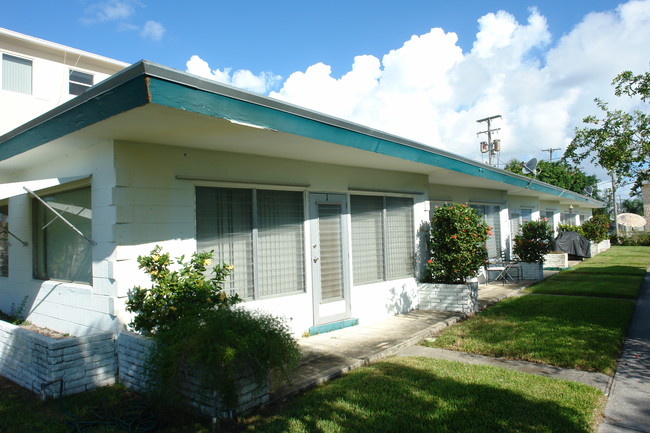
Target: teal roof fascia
point(176, 95)
point(98, 103)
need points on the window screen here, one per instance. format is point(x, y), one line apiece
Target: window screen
point(382, 238)
point(16, 74)
point(79, 82)
point(59, 252)
point(491, 215)
point(259, 232)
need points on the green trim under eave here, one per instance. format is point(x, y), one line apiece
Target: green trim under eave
point(116, 100)
point(182, 97)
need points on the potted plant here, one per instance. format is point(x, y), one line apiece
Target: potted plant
point(531, 244)
point(457, 251)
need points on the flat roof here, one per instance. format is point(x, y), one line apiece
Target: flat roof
point(160, 95)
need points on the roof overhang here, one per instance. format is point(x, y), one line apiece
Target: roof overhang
point(150, 103)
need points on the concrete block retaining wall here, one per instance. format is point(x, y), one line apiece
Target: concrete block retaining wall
point(46, 365)
point(132, 353)
point(460, 298)
point(531, 271)
point(556, 260)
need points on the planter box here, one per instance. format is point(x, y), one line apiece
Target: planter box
point(531, 271)
point(132, 352)
point(597, 248)
point(50, 366)
point(459, 298)
point(556, 260)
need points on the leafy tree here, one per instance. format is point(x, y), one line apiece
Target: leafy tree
point(618, 141)
point(559, 173)
point(632, 206)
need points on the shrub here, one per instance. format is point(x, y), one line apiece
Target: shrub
point(219, 347)
point(596, 228)
point(176, 293)
point(534, 241)
point(633, 240)
point(456, 244)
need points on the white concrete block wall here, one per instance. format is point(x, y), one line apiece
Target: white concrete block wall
point(460, 298)
point(132, 353)
point(43, 364)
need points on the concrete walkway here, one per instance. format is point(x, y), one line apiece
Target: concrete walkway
point(327, 356)
point(628, 406)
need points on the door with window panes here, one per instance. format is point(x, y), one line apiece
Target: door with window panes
point(329, 257)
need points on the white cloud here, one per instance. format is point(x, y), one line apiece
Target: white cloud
point(242, 78)
point(111, 10)
point(430, 91)
point(121, 12)
point(152, 30)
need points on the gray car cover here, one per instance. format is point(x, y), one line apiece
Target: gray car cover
point(573, 243)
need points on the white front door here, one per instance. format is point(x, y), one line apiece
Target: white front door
point(330, 257)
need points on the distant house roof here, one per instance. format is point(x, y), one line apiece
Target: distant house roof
point(150, 103)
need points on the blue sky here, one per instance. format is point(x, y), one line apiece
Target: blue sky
point(425, 70)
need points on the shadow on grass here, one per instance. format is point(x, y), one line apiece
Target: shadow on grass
point(413, 395)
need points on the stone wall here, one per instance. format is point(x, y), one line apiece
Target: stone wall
point(460, 298)
point(47, 366)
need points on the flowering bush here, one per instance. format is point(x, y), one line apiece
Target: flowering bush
point(456, 244)
point(174, 294)
point(595, 229)
point(534, 241)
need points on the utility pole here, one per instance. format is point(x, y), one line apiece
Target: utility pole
point(618, 231)
point(550, 151)
point(490, 147)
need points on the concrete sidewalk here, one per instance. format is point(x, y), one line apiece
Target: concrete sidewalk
point(628, 406)
point(327, 356)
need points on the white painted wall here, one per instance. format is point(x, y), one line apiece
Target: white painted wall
point(51, 64)
point(154, 207)
point(73, 308)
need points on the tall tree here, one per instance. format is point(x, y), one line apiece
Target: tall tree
point(618, 141)
point(560, 174)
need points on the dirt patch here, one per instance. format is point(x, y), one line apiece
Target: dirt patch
point(44, 331)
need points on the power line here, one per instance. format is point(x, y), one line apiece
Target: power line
point(550, 151)
point(491, 147)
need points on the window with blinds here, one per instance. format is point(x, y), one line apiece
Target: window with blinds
point(16, 74)
point(491, 216)
point(259, 232)
point(382, 238)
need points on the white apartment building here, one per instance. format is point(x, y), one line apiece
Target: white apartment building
point(38, 75)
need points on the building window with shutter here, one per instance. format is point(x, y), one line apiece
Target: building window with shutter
point(16, 74)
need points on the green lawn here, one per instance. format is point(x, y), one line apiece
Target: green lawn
point(428, 395)
point(584, 333)
point(580, 284)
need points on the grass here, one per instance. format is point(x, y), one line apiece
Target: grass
point(571, 332)
point(428, 395)
point(584, 331)
point(579, 284)
point(22, 411)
